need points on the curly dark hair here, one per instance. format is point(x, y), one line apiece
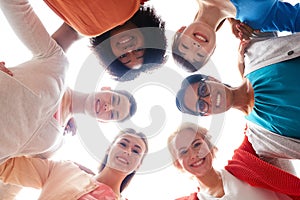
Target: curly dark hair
point(154, 56)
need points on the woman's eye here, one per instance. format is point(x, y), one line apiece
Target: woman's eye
point(123, 55)
point(182, 152)
point(204, 90)
point(135, 151)
point(201, 105)
point(137, 50)
point(122, 144)
point(197, 144)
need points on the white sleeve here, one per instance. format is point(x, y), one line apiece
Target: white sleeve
point(28, 27)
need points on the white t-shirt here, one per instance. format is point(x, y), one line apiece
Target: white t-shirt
point(236, 189)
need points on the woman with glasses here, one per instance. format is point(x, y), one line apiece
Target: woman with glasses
point(268, 96)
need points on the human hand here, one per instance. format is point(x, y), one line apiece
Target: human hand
point(4, 69)
point(242, 49)
point(242, 31)
point(71, 127)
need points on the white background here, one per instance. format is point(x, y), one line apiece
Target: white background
point(167, 182)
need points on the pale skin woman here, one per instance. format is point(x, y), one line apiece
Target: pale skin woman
point(198, 40)
point(107, 105)
point(208, 96)
point(193, 45)
point(124, 157)
point(192, 152)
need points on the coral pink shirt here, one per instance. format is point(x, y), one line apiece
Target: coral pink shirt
point(102, 192)
point(94, 17)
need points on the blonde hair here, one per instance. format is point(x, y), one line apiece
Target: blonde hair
point(202, 132)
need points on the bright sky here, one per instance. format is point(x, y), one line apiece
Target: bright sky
point(157, 115)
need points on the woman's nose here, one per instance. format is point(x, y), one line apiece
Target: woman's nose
point(196, 44)
point(107, 107)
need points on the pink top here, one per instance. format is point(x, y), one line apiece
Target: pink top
point(102, 192)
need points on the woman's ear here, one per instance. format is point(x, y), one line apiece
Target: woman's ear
point(177, 164)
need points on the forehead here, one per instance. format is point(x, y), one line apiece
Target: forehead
point(191, 96)
point(124, 106)
point(133, 140)
point(184, 138)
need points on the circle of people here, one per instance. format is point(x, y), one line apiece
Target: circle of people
point(44, 106)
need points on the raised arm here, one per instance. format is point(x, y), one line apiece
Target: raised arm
point(65, 36)
point(28, 27)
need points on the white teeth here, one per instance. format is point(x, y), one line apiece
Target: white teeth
point(218, 100)
point(122, 160)
point(127, 39)
point(98, 106)
point(200, 37)
point(198, 163)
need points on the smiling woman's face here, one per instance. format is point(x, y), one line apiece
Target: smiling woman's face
point(192, 152)
point(126, 153)
point(218, 99)
point(107, 106)
point(127, 44)
point(197, 42)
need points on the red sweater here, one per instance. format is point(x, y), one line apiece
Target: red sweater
point(246, 166)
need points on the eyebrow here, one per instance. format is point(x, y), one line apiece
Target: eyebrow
point(128, 141)
point(196, 140)
point(180, 149)
point(184, 148)
point(114, 115)
point(118, 100)
point(130, 60)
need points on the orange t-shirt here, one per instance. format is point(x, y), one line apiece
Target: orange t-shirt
point(94, 17)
